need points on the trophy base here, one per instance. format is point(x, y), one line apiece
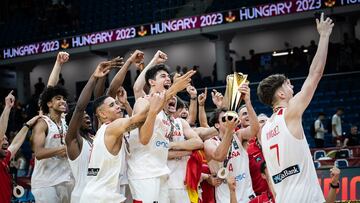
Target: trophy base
point(229, 115)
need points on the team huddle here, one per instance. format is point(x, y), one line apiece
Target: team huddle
point(164, 150)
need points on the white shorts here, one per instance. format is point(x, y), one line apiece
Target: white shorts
point(178, 196)
point(150, 190)
point(59, 193)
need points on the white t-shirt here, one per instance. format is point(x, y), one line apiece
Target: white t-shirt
point(319, 125)
point(289, 163)
point(150, 161)
point(336, 120)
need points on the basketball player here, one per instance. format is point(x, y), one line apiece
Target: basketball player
point(256, 158)
point(150, 144)
point(228, 152)
point(183, 140)
point(105, 163)
point(159, 58)
point(51, 180)
point(284, 145)
point(78, 139)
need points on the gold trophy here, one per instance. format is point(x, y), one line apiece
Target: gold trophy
point(232, 95)
point(232, 101)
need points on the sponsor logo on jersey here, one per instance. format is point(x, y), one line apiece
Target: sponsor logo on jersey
point(162, 144)
point(93, 171)
point(240, 177)
point(272, 133)
point(292, 170)
point(257, 159)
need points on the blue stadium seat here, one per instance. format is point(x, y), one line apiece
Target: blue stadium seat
point(319, 154)
point(341, 163)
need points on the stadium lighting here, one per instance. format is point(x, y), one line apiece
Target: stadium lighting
point(280, 53)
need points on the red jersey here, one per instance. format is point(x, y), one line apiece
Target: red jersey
point(208, 194)
point(256, 158)
point(5, 179)
point(265, 197)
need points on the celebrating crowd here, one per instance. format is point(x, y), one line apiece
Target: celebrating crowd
point(163, 149)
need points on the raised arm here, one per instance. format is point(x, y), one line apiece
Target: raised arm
point(38, 143)
point(252, 130)
point(217, 98)
point(192, 141)
point(218, 153)
point(119, 78)
point(73, 139)
point(140, 82)
point(334, 174)
point(4, 119)
point(193, 105)
point(179, 84)
point(99, 89)
point(301, 100)
point(202, 113)
point(21, 135)
point(156, 104)
point(121, 96)
point(61, 58)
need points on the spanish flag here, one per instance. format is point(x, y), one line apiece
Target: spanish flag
point(193, 174)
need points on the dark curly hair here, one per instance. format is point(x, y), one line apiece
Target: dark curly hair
point(268, 86)
point(152, 72)
point(49, 93)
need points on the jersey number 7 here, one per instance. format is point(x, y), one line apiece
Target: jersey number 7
point(276, 146)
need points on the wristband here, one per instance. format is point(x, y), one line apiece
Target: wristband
point(335, 186)
point(193, 98)
point(27, 125)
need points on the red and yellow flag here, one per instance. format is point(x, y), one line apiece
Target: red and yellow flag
point(193, 174)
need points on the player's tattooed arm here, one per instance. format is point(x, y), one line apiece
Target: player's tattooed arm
point(133, 126)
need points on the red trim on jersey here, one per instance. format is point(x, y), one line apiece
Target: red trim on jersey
point(280, 112)
point(137, 201)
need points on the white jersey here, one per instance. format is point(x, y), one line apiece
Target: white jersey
point(150, 161)
point(237, 163)
point(124, 157)
point(55, 170)
point(289, 163)
point(104, 169)
point(177, 166)
point(79, 170)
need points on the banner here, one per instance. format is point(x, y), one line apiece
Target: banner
point(174, 25)
point(349, 183)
